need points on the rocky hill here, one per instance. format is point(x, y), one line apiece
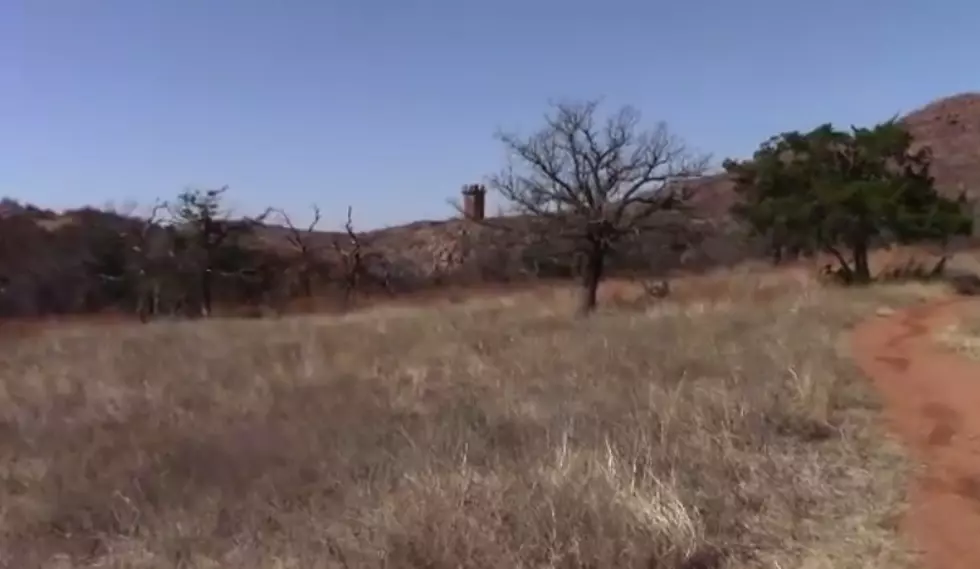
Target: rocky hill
point(951, 128)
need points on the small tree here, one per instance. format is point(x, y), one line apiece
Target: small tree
point(148, 255)
point(351, 259)
point(842, 192)
point(303, 241)
point(208, 237)
point(596, 181)
point(362, 266)
point(136, 256)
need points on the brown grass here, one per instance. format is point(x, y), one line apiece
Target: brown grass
point(964, 335)
point(496, 433)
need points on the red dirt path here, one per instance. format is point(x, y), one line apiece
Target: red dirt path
point(932, 400)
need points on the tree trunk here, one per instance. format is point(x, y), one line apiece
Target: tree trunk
point(843, 271)
point(592, 272)
point(306, 283)
point(206, 291)
point(141, 306)
point(862, 268)
point(155, 298)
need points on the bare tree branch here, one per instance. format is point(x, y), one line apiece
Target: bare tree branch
point(299, 238)
point(351, 258)
point(305, 246)
point(355, 259)
point(148, 224)
point(143, 260)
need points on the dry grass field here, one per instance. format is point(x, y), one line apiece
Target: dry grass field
point(725, 428)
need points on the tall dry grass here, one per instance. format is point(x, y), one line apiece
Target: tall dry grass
point(502, 433)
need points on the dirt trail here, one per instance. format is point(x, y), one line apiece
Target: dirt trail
point(932, 400)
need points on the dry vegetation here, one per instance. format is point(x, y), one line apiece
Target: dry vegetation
point(964, 335)
point(727, 432)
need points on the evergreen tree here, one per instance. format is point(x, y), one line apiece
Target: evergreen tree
point(843, 192)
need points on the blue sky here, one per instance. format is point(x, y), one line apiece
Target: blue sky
point(391, 105)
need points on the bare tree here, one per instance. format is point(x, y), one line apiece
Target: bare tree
point(145, 265)
point(595, 182)
point(121, 255)
point(301, 239)
point(360, 266)
point(351, 258)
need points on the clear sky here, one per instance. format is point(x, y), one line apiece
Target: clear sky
point(391, 105)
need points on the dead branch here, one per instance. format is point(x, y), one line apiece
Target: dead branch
point(297, 237)
point(301, 240)
point(351, 258)
point(139, 260)
point(355, 260)
point(146, 226)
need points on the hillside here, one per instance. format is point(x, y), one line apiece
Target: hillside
point(41, 251)
point(951, 127)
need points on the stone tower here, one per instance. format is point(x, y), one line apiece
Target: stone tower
point(474, 201)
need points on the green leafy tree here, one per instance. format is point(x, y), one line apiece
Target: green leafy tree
point(844, 192)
